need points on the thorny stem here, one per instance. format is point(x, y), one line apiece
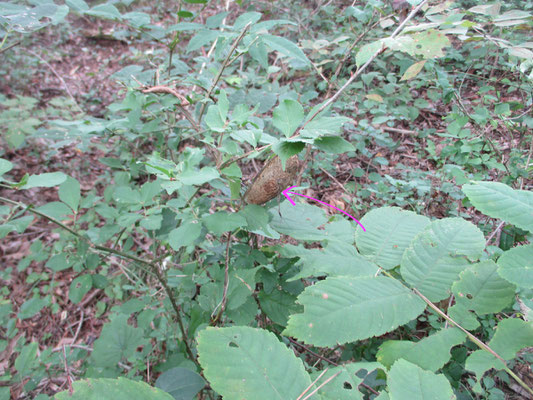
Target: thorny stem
point(153, 266)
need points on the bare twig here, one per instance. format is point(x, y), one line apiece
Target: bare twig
point(322, 385)
point(57, 75)
point(222, 305)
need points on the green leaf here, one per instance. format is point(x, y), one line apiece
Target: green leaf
point(79, 288)
point(117, 341)
point(203, 37)
point(221, 222)
point(430, 353)
point(116, 389)
point(77, 5)
point(245, 18)
point(463, 317)
point(184, 235)
point(328, 262)
point(214, 120)
point(55, 209)
point(480, 289)
point(366, 52)
point(333, 144)
point(26, 360)
point(389, 231)
point(512, 335)
point(285, 47)
point(439, 254)
point(48, 179)
point(223, 105)
point(204, 175)
point(498, 200)
point(346, 309)
point(247, 363)
point(516, 266)
point(5, 166)
point(413, 70)
point(107, 11)
point(70, 193)
point(288, 116)
point(322, 126)
point(345, 385)
point(286, 150)
point(278, 305)
point(32, 307)
point(300, 222)
point(180, 383)
point(407, 381)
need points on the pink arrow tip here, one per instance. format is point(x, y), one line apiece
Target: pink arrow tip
point(286, 194)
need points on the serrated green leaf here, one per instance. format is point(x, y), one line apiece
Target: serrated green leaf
point(498, 200)
point(516, 266)
point(407, 381)
point(328, 262)
point(180, 383)
point(213, 119)
point(70, 193)
point(389, 231)
point(288, 116)
point(346, 309)
point(430, 353)
point(439, 253)
point(481, 289)
point(463, 317)
point(247, 363)
point(116, 389)
point(285, 47)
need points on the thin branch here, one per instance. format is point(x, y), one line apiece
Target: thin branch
point(475, 340)
point(57, 75)
point(222, 303)
point(332, 99)
point(154, 267)
point(224, 65)
point(322, 385)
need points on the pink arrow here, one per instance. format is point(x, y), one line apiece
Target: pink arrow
point(286, 194)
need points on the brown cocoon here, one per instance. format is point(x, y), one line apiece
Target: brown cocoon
point(272, 180)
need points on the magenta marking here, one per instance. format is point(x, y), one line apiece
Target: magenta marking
point(286, 194)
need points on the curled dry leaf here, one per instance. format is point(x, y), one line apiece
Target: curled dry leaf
point(272, 180)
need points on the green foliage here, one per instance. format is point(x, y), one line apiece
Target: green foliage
point(242, 362)
point(120, 388)
point(194, 283)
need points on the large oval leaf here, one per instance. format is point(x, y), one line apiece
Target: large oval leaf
point(408, 381)
point(498, 200)
point(389, 231)
point(113, 389)
point(516, 266)
point(439, 254)
point(247, 363)
point(481, 289)
point(346, 309)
